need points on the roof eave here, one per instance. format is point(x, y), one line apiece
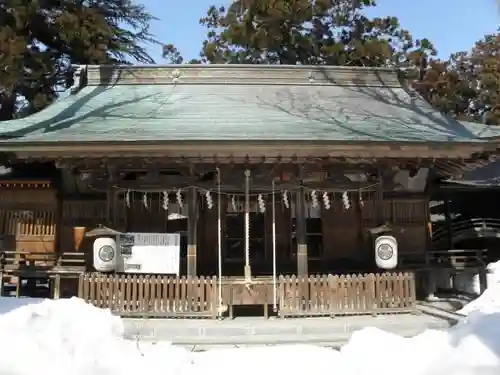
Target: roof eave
point(285, 148)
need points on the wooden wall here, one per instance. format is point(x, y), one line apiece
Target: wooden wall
point(410, 218)
point(32, 219)
point(208, 238)
point(28, 217)
point(346, 240)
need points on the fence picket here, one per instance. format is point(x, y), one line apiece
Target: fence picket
point(167, 296)
point(347, 294)
point(151, 295)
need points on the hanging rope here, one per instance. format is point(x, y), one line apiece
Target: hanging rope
point(127, 198)
point(219, 243)
point(264, 194)
point(248, 272)
point(275, 299)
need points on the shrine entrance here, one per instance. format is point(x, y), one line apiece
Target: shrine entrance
point(234, 253)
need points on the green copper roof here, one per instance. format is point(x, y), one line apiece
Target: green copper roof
point(240, 103)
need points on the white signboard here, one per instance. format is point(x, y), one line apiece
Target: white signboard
point(150, 253)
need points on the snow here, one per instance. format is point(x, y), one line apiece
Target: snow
point(71, 337)
point(9, 304)
point(469, 282)
point(490, 299)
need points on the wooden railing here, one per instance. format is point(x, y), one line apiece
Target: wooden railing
point(449, 259)
point(166, 296)
point(464, 229)
point(14, 261)
point(347, 294)
point(71, 261)
point(458, 258)
point(153, 296)
point(58, 268)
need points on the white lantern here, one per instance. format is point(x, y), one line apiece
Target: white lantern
point(105, 253)
point(386, 252)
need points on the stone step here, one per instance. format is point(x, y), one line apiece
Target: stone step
point(248, 331)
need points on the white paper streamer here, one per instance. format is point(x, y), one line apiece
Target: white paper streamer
point(165, 200)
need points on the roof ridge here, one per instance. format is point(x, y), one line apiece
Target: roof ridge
point(79, 78)
point(241, 74)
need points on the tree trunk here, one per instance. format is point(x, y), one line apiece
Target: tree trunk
point(7, 106)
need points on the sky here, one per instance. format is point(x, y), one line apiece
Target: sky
point(452, 25)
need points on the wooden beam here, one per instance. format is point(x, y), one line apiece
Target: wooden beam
point(247, 149)
point(225, 188)
point(195, 167)
point(185, 164)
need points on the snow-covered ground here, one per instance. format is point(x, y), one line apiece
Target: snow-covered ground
point(70, 337)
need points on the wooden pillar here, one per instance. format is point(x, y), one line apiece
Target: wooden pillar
point(300, 232)
point(192, 232)
point(448, 220)
point(57, 287)
point(112, 199)
point(379, 204)
point(110, 207)
point(483, 279)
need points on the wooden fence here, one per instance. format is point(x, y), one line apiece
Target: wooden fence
point(159, 296)
point(347, 294)
point(327, 295)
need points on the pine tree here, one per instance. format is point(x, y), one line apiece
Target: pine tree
point(485, 64)
point(467, 85)
point(41, 39)
point(330, 32)
point(337, 32)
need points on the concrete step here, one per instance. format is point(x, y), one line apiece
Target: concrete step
point(257, 331)
point(334, 340)
point(430, 309)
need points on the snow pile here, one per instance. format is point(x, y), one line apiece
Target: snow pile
point(71, 337)
point(470, 282)
point(490, 299)
point(470, 348)
point(284, 359)
point(493, 275)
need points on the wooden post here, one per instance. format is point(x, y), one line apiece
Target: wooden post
point(483, 272)
point(109, 207)
point(379, 204)
point(57, 286)
point(18, 287)
point(192, 232)
point(448, 220)
point(300, 232)
point(483, 279)
point(112, 197)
